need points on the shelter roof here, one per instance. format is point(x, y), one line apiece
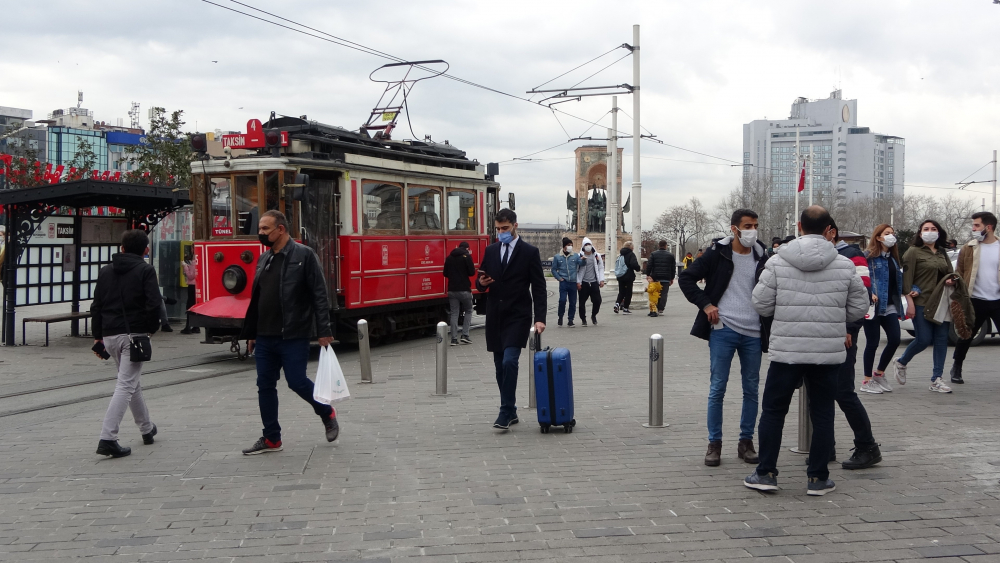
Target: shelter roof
point(93, 193)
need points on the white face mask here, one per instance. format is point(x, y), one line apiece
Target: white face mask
point(890, 241)
point(979, 235)
point(929, 236)
point(748, 237)
point(588, 249)
point(569, 248)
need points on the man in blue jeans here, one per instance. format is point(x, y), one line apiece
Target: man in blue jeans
point(727, 319)
point(564, 267)
point(288, 307)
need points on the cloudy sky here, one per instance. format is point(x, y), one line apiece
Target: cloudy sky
point(924, 70)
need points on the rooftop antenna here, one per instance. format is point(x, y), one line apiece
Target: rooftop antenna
point(134, 115)
point(79, 98)
point(388, 108)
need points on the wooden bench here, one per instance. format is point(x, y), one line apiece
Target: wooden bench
point(49, 319)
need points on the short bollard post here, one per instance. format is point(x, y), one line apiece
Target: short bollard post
point(534, 341)
point(365, 352)
point(441, 384)
point(805, 423)
point(655, 383)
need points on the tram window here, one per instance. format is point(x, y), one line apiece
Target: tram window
point(247, 211)
point(221, 197)
point(271, 190)
point(462, 210)
point(424, 208)
point(383, 205)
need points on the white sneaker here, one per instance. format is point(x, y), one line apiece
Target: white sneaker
point(882, 382)
point(869, 386)
point(939, 386)
point(900, 372)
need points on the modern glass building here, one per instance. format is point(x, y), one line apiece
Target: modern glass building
point(63, 143)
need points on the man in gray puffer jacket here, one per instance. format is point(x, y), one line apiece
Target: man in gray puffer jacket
point(811, 291)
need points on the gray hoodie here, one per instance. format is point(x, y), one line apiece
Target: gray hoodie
point(811, 291)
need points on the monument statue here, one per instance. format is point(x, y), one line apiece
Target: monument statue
point(571, 206)
point(596, 210)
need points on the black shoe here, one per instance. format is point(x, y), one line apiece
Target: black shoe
point(262, 446)
point(332, 428)
point(111, 448)
point(818, 488)
point(148, 438)
point(465, 340)
point(503, 422)
point(583, 322)
point(760, 482)
point(454, 342)
point(593, 319)
point(166, 328)
point(570, 324)
point(618, 308)
point(196, 330)
point(186, 331)
point(514, 420)
point(652, 314)
point(559, 322)
point(956, 373)
point(863, 458)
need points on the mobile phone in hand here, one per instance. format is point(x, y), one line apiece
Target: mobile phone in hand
point(101, 351)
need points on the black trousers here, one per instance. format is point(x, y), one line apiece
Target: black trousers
point(592, 291)
point(821, 385)
point(625, 291)
point(662, 302)
point(190, 303)
point(847, 398)
point(984, 310)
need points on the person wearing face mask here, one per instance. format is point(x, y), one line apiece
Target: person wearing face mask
point(925, 265)
point(564, 268)
point(630, 263)
point(728, 321)
point(288, 307)
point(661, 267)
point(979, 266)
point(887, 295)
point(589, 281)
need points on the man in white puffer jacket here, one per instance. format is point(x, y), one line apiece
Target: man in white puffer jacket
point(811, 291)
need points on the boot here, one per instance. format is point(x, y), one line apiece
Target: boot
point(956, 372)
point(714, 455)
point(746, 452)
point(111, 448)
point(864, 457)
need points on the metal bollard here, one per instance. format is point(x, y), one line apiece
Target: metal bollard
point(365, 352)
point(532, 348)
point(655, 383)
point(441, 385)
point(805, 423)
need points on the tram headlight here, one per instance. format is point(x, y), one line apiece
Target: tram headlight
point(234, 279)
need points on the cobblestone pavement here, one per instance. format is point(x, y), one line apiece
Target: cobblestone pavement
point(416, 477)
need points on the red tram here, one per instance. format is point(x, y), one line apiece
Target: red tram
point(381, 215)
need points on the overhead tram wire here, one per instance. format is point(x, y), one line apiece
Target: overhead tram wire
point(578, 67)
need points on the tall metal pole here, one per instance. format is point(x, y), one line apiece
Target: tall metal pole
point(798, 163)
point(810, 174)
point(994, 181)
point(636, 144)
point(612, 208)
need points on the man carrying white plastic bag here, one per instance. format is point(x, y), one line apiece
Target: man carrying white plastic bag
point(331, 385)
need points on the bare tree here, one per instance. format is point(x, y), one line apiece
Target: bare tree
point(688, 223)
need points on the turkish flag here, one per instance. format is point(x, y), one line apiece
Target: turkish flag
point(802, 177)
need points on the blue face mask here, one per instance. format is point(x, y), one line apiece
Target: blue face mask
point(505, 237)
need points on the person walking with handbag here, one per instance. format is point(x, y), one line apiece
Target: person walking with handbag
point(191, 279)
point(925, 264)
point(625, 268)
point(979, 266)
point(124, 312)
point(564, 267)
point(458, 270)
point(288, 307)
point(512, 277)
point(589, 281)
point(727, 320)
point(887, 295)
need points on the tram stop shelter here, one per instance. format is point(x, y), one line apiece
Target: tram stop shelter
point(57, 239)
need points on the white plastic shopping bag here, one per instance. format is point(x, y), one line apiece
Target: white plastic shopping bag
point(331, 385)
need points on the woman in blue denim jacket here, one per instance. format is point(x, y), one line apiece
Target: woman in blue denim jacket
point(886, 291)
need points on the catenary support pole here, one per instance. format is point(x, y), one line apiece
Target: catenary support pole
point(805, 423)
point(994, 181)
point(365, 352)
point(810, 175)
point(441, 351)
point(533, 343)
point(801, 164)
point(655, 383)
point(638, 289)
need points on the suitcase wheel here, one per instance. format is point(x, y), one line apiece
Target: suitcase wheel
point(545, 429)
point(568, 429)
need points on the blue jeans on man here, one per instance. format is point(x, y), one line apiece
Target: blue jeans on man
point(274, 353)
point(928, 334)
point(723, 344)
point(567, 289)
point(506, 364)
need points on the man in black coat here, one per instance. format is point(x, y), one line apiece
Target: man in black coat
point(458, 270)
point(511, 275)
point(661, 267)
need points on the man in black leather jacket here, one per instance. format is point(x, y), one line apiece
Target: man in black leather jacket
point(661, 267)
point(288, 307)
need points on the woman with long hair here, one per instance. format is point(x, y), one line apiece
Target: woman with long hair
point(925, 264)
point(887, 295)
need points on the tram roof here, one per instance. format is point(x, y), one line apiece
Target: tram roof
point(95, 193)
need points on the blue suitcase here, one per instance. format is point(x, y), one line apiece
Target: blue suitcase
point(554, 389)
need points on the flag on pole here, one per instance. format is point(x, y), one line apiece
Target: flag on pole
point(802, 177)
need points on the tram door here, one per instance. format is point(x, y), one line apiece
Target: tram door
point(321, 225)
point(492, 206)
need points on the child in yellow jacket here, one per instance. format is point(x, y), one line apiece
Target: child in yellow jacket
point(654, 296)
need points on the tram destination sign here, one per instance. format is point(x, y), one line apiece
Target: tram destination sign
point(252, 139)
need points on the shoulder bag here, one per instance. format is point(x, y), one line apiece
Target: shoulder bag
point(142, 348)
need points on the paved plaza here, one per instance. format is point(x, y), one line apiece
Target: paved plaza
point(415, 477)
